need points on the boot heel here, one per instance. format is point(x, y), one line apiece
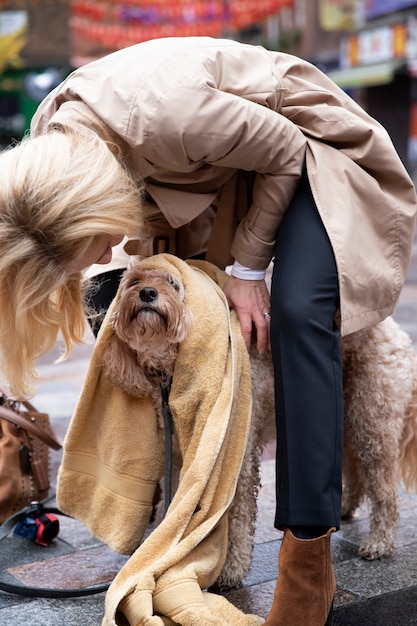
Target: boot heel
point(306, 582)
point(330, 617)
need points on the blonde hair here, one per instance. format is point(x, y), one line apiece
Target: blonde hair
point(57, 192)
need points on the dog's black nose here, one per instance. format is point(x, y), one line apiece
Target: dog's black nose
point(148, 294)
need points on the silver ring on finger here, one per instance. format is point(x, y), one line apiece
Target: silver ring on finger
point(266, 314)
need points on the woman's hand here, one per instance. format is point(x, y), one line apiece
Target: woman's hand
point(250, 299)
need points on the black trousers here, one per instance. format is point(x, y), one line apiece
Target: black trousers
point(305, 344)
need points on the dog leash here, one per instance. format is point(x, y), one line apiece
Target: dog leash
point(169, 430)
point(34, 512)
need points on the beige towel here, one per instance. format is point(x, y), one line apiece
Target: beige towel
point(114, 457)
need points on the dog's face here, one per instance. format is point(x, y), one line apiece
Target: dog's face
point(150, 319)
point(151, 309)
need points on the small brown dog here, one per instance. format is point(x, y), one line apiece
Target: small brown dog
point(380, 389)
point(149, 322)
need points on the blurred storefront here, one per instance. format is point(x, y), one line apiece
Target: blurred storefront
point(378, 67)
point(34, 57)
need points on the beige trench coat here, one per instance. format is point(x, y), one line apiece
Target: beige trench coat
point(189, 113)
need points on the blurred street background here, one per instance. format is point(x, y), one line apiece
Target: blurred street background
point(368, 47)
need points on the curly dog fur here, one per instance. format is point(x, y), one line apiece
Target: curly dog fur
point(380, 390)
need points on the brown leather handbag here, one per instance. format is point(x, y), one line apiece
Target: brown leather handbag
point(25, 438)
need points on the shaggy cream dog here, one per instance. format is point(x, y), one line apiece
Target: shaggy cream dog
point(380, 388)
point(380, 376)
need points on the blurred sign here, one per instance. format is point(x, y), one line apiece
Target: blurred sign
point(13, 28)
point(374, 46)
point(340, 14)
point(373, 8)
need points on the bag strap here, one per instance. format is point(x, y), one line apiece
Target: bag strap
point(16, 418)
point(44, 592)
point(41, 592)
point(19, 420)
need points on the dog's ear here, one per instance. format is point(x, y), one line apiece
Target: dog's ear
point(184, 327)
point(121, 368)
point(179, 326)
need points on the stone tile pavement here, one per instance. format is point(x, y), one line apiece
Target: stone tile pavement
point(380, 593)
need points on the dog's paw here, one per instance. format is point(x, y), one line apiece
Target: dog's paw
point(372, 550)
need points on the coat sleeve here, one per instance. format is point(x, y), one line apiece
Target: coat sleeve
point(198, 127)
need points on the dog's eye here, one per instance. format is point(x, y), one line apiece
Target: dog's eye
point(173, 283)
point(134, 281)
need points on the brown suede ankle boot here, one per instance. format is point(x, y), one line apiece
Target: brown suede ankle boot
point(306, 583)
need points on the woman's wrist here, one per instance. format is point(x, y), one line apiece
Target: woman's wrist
point(246, 273)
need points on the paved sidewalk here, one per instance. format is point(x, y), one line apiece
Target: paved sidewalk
point(379, 593)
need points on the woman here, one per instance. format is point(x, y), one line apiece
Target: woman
point(291, 168)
